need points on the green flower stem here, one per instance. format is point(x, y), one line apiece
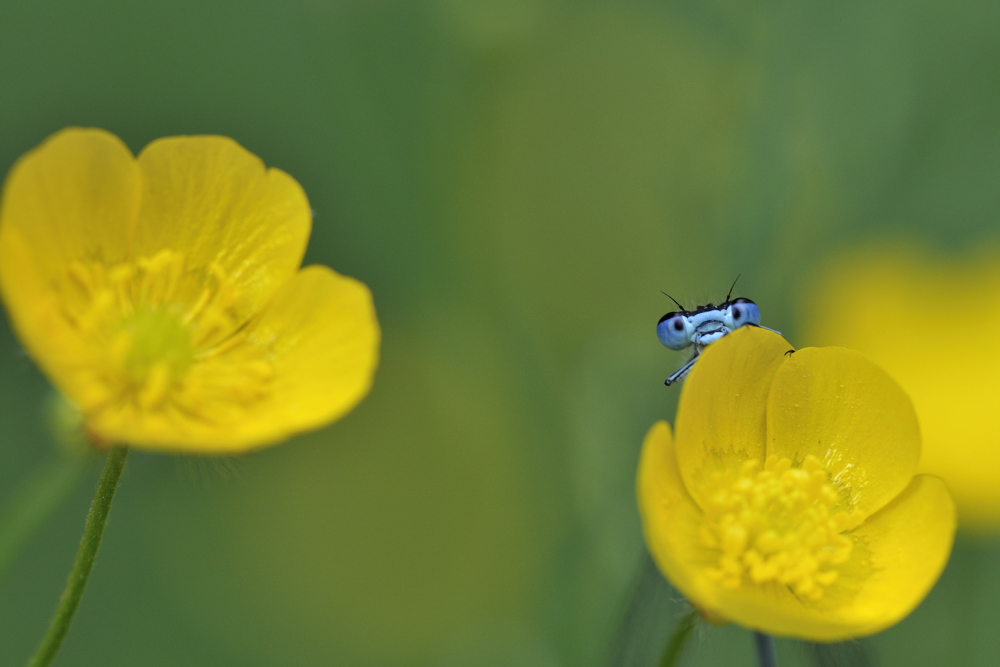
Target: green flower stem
point(766, 656)
point(674, 648)
point(84, 562)
point(645, 620)
point(34, 501)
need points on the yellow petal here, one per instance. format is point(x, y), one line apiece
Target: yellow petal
point(840, 407)
point(35, 315)
point(213, 200)
point(73, 197)
point(909, 540)
point(325, 337)
point(723, 405)
point(671, 521)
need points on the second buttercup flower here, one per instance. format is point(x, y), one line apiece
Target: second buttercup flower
point(163, 295)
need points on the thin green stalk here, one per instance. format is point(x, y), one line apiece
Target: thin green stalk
point(84, 562)
point(34, 501)
point(678, 640)
point(766, 657)
point(645, 620)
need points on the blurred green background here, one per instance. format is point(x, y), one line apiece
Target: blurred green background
point(516, 181)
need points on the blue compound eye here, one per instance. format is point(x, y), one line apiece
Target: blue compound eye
point(672, 331)
point(743, 311)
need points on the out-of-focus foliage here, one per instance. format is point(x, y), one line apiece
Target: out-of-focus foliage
point(515, 181)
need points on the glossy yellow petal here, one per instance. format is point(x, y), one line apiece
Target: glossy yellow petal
point(838, 406)
point(909, 541)
point(723, 405)
point(74, 197)
point(324, 336)
point(308, 359)
point(671, 520)
point(35, 314)
point(214, 201)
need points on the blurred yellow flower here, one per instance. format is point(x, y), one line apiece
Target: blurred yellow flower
point(933, 324)
point(788, 502)
point(163, 295)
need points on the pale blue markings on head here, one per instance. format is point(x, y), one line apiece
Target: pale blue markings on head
point(742, 312)
point(672, 330)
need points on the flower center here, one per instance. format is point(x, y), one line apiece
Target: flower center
point(152, 338)
point(778, 524)
point(164, 337)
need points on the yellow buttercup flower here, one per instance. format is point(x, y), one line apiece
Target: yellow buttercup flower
point(933, 325)
point(788, 502)
point(163, 294)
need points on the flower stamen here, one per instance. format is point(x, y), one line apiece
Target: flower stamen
point(780, 524)
point(160, 350)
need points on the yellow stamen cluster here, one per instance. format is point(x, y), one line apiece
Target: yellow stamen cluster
point(169, 338)
point(778, 524)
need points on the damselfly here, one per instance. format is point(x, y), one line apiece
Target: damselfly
point(703, 326)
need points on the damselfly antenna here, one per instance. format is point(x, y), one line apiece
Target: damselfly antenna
point(674, 300)
point(733, 285)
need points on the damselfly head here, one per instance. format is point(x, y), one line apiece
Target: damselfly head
point(705, 324)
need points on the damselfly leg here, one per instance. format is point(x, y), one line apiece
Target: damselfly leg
point(682, 372)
